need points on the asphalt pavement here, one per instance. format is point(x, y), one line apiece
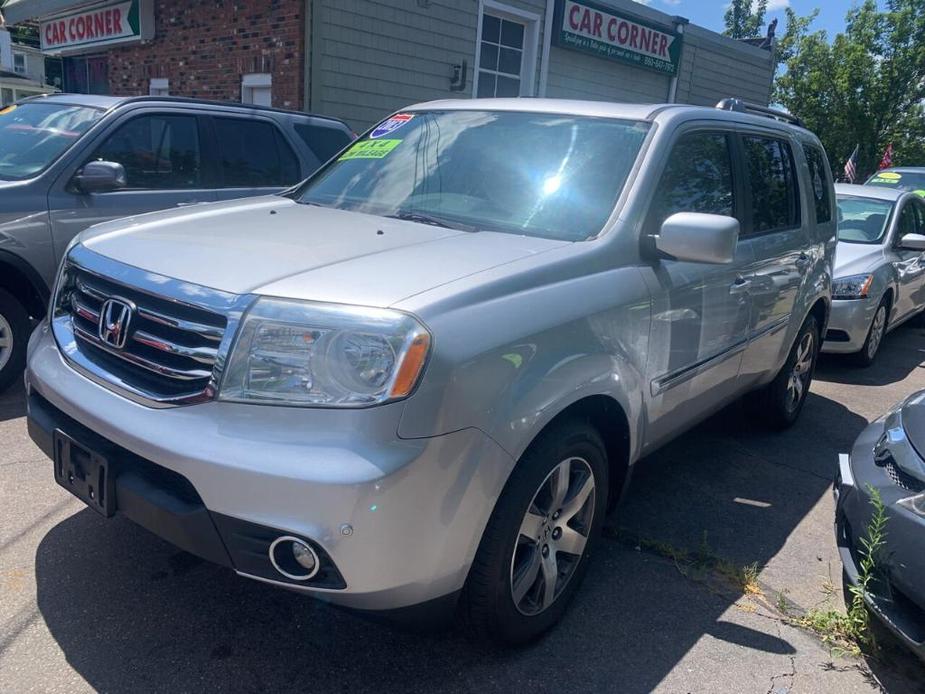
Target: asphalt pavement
point(93, 604)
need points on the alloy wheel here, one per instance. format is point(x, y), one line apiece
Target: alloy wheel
point(6, 341)
point(876, 332)
point(798, 382)
point(552, 536)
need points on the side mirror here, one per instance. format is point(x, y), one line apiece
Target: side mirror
point(912, 242)
point(100, 177)
point(699, 238)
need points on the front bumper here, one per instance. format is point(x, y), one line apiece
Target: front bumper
point(897, 596)
point(400, 520)
point(849, 322)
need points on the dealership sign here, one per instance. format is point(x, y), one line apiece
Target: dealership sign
point(604, 32)
point(98, 26)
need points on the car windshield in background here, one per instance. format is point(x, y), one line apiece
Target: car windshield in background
point(905, 180)
point(33, 135)
point(862, 220)
point(538, 174)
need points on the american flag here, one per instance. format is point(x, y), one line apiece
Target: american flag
point(887, 160)
point(851, 166)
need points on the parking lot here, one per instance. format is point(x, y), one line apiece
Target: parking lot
point(103, 605)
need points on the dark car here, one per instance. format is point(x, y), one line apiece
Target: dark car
point(69, 161)
point(889, 457)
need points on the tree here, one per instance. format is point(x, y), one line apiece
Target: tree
point(865, 87)
point(744, 18)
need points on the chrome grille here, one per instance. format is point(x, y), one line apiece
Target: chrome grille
point(173, 348)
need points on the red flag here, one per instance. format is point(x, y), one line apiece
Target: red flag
point(887, 160)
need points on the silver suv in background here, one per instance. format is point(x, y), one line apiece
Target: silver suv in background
point(69, 161)
point(421, 379)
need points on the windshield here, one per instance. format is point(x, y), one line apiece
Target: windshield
point(555, 176)
point(33, 135)
point(905, 180)
point(862, 220)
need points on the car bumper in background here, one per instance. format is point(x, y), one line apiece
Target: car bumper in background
point(395, 522)
point(849, 321)
point(897, 596)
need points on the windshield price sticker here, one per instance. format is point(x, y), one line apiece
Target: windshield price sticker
point(391, 125)
point(889, 175)
point(885, 179)
point(370, 149)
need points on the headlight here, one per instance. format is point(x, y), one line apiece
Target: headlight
point(916, 504)
point(852, 287)
point(324, 355)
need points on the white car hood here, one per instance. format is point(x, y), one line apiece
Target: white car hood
point(274, 246)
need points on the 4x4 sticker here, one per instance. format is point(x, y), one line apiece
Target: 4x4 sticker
point(370, 149)
point(391, 125)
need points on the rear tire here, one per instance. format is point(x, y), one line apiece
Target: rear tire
point(14, 335)
point(779, 403)
point(537, 544)
point(875, 335)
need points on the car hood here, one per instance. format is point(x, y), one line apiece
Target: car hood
point(274, 246)
point(855, 258)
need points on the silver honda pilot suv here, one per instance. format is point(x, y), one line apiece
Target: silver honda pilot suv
point(418, 381)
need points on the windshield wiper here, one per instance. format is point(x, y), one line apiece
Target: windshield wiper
point(433, 220)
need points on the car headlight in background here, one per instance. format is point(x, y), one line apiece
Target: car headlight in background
point(852, 287)
point(324, 355)
point(916, 504)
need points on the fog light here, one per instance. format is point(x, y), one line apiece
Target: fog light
point(304, 555)
point(294, 558)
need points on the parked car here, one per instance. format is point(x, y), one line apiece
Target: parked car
point(911, 178)
point(889, 457)
point(879, 268)
point(69, 161)
point(417, 382)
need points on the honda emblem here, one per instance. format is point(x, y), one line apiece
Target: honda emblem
point(115, 317)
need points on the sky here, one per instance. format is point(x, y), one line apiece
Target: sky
point(709, 13)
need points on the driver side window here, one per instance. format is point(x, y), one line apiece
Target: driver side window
point(159, 152)
point(697, 178)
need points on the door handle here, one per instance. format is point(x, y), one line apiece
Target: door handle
point(740, 286)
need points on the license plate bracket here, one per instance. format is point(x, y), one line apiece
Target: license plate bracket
point(84, 473)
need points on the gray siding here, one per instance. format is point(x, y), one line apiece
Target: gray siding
point(714, 67)
point(574, 75)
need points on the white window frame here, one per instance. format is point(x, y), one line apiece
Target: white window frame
point(255, 80)
point(159, 86)
point(25, 63)
point(531, 24)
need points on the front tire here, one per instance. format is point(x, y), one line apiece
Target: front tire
point(14, 335)
point(875, 335)
point(780, 402)
point(535, 550)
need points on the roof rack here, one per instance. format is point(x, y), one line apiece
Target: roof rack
point(741, 106)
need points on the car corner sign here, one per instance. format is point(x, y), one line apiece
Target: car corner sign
point(586, 27)
point(100, 25)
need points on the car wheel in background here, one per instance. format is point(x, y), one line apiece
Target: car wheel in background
point(779, 403)
point(874, 335)
point(14, 334)
point(535, 549)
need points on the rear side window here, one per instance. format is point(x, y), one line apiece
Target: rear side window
point(159, 152)
point(697, 178)
point(253, 154)
point(773, 184)
point(322, 141)
point(819, 180)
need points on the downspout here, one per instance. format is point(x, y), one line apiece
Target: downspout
point(547, 47)
point(679, 23)
point(307, 43)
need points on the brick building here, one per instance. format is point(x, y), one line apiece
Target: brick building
point(359, 60)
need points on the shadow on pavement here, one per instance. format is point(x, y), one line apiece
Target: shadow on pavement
point(13, 402)
point(899, 356)
point(132, 613)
